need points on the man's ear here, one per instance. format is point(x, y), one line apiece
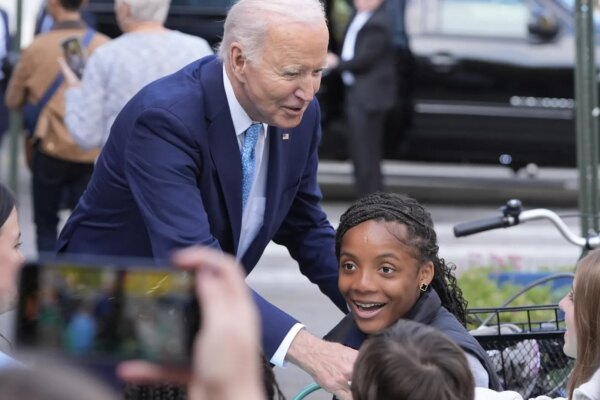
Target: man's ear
point(123, 9)
point(237, 61)
point(127, 10)
point(426, 273)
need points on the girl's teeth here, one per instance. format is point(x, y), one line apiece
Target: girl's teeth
point(368, 306)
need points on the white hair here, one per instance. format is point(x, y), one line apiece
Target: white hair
point(248, 20)
point(148, 10)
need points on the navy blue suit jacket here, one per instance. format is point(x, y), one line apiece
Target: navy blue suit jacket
point(170, 177)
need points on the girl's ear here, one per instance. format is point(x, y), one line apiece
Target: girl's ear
point(426, 273)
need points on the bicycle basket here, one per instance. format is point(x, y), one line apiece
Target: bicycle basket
point(525, 345)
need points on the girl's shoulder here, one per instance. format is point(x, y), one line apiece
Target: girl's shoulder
point(589, 390)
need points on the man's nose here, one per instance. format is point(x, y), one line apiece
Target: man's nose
point(307, 88)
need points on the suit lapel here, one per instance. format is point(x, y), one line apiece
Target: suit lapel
point(277, 152)
point(224, 148)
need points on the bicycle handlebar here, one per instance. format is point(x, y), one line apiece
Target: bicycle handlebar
point(513, 215)
point(482, 225)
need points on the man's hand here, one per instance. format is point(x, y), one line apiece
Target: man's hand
point(226, 357)
point(330, 364)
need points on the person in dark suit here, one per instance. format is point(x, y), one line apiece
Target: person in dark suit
point(367, 67)
point(224, 153)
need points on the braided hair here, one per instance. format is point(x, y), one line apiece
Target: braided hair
point(271, 385)
point(421, 238)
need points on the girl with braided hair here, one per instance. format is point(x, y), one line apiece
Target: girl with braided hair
point(390, 270)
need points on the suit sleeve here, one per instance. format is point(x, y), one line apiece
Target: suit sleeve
point(161, 168)
point(306, 232)
point(376, 41)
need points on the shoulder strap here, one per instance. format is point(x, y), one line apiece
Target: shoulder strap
point(87, 38)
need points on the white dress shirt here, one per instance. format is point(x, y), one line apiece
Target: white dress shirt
point(359, 20)
point(254, 212)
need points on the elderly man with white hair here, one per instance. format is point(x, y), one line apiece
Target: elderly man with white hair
point(224, 153)
point(145, 52)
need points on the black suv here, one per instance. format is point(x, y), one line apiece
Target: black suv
point(486, 81)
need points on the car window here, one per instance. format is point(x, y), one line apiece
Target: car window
point(484, 17)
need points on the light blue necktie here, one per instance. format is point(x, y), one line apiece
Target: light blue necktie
point(248, 160)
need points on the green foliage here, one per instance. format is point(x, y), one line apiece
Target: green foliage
point(483, 292)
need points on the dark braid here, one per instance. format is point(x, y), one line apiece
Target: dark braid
point(391, 207)
point(271, 386)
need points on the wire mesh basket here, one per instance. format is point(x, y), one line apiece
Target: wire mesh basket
point(525, 345)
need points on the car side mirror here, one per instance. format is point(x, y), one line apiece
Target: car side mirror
point(543, 25)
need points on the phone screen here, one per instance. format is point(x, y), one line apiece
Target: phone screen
point(74, 56)
point(107, 311)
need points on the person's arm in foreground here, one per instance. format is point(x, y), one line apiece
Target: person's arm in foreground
point(226, 361)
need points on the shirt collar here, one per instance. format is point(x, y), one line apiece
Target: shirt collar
point(70, 24)
point(241, 120)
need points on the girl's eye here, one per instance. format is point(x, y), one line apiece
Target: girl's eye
point(348, 266)
point(386, 270)
point(18, 245)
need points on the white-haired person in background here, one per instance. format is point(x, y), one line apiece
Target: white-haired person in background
point(145, 52)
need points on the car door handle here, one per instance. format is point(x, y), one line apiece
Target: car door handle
point(442, 62)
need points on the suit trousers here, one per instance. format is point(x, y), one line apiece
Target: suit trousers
point(56, 184)
point(365, 142)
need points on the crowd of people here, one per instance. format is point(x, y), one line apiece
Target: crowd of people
point(169, 152)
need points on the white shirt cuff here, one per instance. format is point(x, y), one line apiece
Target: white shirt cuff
point(278, 358)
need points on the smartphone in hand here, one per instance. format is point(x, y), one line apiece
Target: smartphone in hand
point(74, 56)
point(107, 312)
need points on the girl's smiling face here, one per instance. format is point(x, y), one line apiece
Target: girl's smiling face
point(567, 305)
point(380, 275)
